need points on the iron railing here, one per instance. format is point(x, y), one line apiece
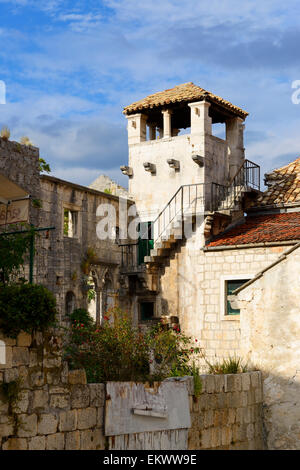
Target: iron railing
point(226, 197)
point(187, 200)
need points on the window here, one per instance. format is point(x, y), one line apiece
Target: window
point(146, 311)
point(70, 223)
point(228, 284)
point(70, 302)
point(232, 285)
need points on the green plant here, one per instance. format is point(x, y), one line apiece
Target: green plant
point(26, 307)
point(5, 133)
point(74, 276)
point(107, 191)
point(13, 254)
point(88, 259)
point(120, 351)
point(37, 203)
point(44, 166)
point(232, 365)
point(81, 316)
point(25, 141)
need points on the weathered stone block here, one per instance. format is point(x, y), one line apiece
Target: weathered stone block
point(92, 440)
point(87, 418)
point(40, 399)
point(20, 356)
point(210, 384)
point(255, 378)
point(68, 420)
point(80, 396)
point(100, 416)
point(21, 406)
point(37, 443)
point(77, 377)
point(15, 444)
point(47, 424)
point(64, 373)
point(58, 390)
point(97, 394)
point(245, 382)
point(36, 377)
point(55, 442)
point(226, 435)
point(7, 428)
point(60, 401)
point(73, 440)
point(27, 425)
point(24, 339)
point(11, 374)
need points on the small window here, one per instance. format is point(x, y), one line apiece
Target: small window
point(70, 223)
point(232, 285)
point(146, 311)
point(70, 302)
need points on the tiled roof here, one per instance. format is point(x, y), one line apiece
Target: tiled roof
point(262, 229)
point(284, 186)
point(186, 92)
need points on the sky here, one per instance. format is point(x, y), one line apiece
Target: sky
point(71, 66)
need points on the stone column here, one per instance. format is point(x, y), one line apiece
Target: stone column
point(167, 123)
point(235, 142)
point(200, 119)
point(136, 128)
point(99, 313)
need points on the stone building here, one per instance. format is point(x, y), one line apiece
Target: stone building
point(221, 251)
point(70, 259)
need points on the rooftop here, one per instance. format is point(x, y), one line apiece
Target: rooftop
point(184, 93)
point(284, 186)
point(261, 229)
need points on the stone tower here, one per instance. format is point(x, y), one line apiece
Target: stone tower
point(162, 158)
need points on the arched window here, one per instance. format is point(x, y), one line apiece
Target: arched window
point(70, 302)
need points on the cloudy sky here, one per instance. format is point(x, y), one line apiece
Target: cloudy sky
point(71, 66)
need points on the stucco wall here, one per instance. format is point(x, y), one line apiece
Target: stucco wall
point(270, 339)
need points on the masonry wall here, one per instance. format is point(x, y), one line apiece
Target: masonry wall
point(270, 339)
point(192, 286)
point(228, 413)
point(59, 257)
point(56, 409)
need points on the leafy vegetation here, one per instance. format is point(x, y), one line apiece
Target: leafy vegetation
point(26, 307)
point(13, 254)
point(120, 351)
point(232, 365)
point(44, 166)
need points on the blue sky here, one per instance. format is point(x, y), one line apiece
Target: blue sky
point(71, 66)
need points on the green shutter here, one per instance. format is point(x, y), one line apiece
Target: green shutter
point(230, 287)
point(145, 244)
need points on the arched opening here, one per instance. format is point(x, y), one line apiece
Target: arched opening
point(92, 296)
point(70, 302)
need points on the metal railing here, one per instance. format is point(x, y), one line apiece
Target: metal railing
point(187, 200)
point(226, 197)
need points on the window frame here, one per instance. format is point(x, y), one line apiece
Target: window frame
point(143, 301)
point(223, 294)
point(72, 208)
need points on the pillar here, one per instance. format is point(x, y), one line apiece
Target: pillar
point(200, 119)
point(167, 123)
point(136, 128)
point(235, 143)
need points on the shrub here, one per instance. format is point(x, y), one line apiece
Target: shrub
point(81, 316)
point(13, 253)
point(232, 365)
point(121, 352)
point(26, 307)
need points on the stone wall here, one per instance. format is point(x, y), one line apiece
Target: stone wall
point(56, 408)
point(270, 339)
point(228, 413)
point(193, 285)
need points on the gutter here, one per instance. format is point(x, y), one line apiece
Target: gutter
point(250, 245)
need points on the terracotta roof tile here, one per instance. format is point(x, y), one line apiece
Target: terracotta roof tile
point(284, 186)
point(260, 229)
point(186, 92)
